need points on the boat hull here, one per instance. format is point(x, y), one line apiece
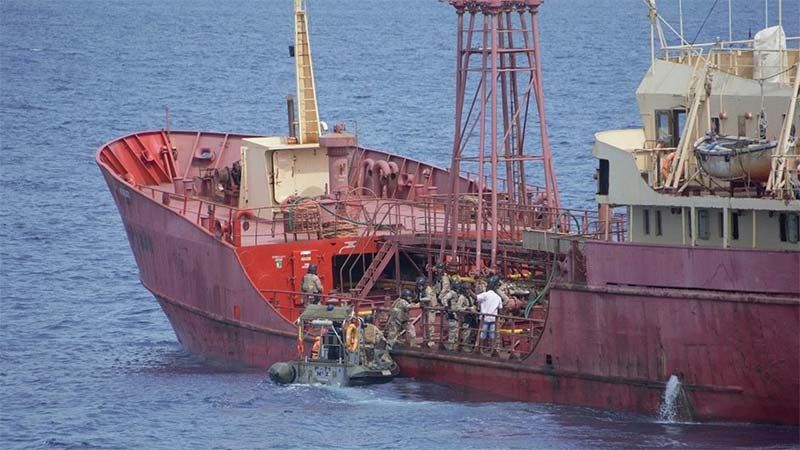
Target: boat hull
point(608, 347)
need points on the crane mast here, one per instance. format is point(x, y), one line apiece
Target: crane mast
point(308, 114)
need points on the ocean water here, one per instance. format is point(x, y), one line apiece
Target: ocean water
point(88, 360)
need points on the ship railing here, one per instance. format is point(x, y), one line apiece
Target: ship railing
point(653, 162)
point(515, 336)
point(513, 219)
point(736, 60)
point(369, 218)
point(393, 217)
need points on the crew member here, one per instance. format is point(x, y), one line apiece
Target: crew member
point(311, 286)
point(398, 320)
point(372, 336)
point(490, 303)
point(501, 288)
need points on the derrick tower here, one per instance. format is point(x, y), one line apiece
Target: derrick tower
point(499, 136)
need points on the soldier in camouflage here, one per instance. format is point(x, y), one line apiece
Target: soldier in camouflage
point(311, 286)
point(441, 280)
point(427, 297)
point(398, 320)
point(450, 301)
point(371, 336)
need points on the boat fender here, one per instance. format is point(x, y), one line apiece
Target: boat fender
point(282, 373)
point(351, 338)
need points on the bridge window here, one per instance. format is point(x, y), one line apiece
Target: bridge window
point(669, 124)
point(658, 223)
point(703, 231)
point(646, 220)
point(735, 225)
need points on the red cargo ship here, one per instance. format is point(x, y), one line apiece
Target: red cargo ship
point(699, 280)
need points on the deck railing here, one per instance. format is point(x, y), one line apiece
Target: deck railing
point(515, 337)
point(369, 217)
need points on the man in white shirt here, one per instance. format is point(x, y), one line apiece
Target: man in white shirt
point(490, 303)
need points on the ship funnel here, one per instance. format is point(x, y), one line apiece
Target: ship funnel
point(675, 404)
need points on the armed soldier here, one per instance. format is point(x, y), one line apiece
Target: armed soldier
point(372, 336)
point(441, 280)
point(427, 297)
point(450, 301)
point(459, 305)
point(311, 286)
point(398, 320)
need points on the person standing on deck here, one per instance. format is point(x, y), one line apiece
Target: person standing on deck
point(490, 303)
point(311, 286)
point(427, 297)
point(441, 280)
point(451, 301)
point(501, 289)
point(398, 320)
point(465, 307)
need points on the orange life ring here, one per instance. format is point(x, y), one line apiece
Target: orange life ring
point(351, 338)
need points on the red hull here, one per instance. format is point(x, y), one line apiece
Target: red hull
point(611, 347)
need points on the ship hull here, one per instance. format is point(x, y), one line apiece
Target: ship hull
point(608, 347)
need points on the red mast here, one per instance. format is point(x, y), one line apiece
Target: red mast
point(498, 72)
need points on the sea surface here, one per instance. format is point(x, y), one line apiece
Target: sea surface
point(87, 358)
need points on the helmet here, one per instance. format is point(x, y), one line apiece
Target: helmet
point(312, 268)
point(421, 282)
point(439, 267)
point(368, 319)
point(493, 282)
point(406, 294)
point(455, 285)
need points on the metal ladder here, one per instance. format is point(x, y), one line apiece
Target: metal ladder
point(375, 269)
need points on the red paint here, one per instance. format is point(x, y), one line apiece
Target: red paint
point(611, 346)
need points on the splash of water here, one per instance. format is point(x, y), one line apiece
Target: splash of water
point(668, 410)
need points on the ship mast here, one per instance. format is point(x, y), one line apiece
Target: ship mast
point(498, 72)
point(308, 114)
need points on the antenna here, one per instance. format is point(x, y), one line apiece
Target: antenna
point(766, 13)
point(730, 22)
point(680, 18)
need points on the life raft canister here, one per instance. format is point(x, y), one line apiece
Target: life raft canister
point(351, 338)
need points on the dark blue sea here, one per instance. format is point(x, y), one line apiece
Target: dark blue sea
point(87, 358)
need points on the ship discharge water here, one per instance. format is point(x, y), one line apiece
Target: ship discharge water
point(668, 411)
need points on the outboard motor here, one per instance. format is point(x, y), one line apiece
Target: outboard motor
point(282, 373)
